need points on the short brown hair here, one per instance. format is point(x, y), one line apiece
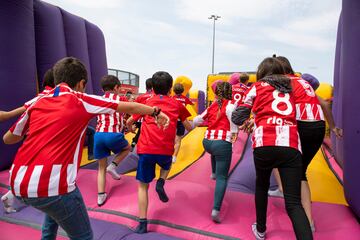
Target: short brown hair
point(69, 70)
point(244, 77)
point(178, 88)
point(109, 82)
point(269, 66)
point(48, 80)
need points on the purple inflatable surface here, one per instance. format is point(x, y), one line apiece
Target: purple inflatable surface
point(76, 42)
point(17, 64)
point(102, 230)
point(97, 57)
point(49, 36)
point(347, 99)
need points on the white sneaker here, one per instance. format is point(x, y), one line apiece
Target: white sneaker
point(276, 193)
point(101, 199)
point(111, 169)
point(8, 202)
point(258, 235)
point(174, 159)
point(215, 215)
point(213, 176)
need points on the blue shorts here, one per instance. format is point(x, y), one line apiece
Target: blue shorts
point(146, 166)
point(107, 142)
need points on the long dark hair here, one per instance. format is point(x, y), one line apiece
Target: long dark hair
point(271, 71)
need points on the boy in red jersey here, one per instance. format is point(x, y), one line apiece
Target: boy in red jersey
point(276, 144)
point(180, 129)
point(43, 174)
point(157, 147)
point(142, 99)
point(109, 137)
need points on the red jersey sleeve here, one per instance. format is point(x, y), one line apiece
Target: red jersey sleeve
point(188, 101)
point(97, 105)
point(183, 112)
point(21, 126)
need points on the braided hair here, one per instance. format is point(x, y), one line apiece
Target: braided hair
point(223, 91)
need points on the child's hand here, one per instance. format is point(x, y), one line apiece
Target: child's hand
point(234, 137)
point(132, 128)
point(338, 132)
point(162, 120)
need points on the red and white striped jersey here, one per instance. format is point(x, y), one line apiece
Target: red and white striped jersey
point(220, 126)
point(274, 113)
point(238, 91)
point(307, 104)
point(46, 90)
point(111, 122)
point(47, 162)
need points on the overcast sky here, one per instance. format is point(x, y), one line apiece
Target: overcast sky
point(145, 36)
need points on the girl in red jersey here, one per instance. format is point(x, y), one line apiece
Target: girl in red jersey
point(310, 112)
point(219, 136)
point(276, 144)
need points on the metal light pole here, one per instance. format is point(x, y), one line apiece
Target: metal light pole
point(215, 17)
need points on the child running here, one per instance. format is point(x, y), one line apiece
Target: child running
point(109, 138)
point(276, 144)
point(157, 146)
point(219, 136)
point(310, 111)
point(142, 99)
point(43, 174)
point(180, 129)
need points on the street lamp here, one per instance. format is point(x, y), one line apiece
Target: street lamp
point(215, 17)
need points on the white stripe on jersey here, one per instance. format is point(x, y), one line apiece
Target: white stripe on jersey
point(298, 114)
point(54, 182)
point(309, 111)
point(212, 134)
point(72, 168)
point(228, 136)
point(18, 179)
point(111, 123)
point(282, 136)
point(258, 136)
point(220, 134)
point(20, 125)
point(96, 109)
point(70, 176)
point(34, 181)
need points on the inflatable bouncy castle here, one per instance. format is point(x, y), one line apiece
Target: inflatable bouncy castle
point(35, 34)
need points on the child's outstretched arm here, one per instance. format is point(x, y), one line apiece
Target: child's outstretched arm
point(10, 138)
point(330, 118)
point(137, 108)
point(4, 115)
point(187, 125)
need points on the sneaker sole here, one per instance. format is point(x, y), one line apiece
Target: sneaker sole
point(113, 175)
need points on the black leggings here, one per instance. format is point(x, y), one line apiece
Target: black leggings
point(137, 135)
point(288, 161)
point(311, 136)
